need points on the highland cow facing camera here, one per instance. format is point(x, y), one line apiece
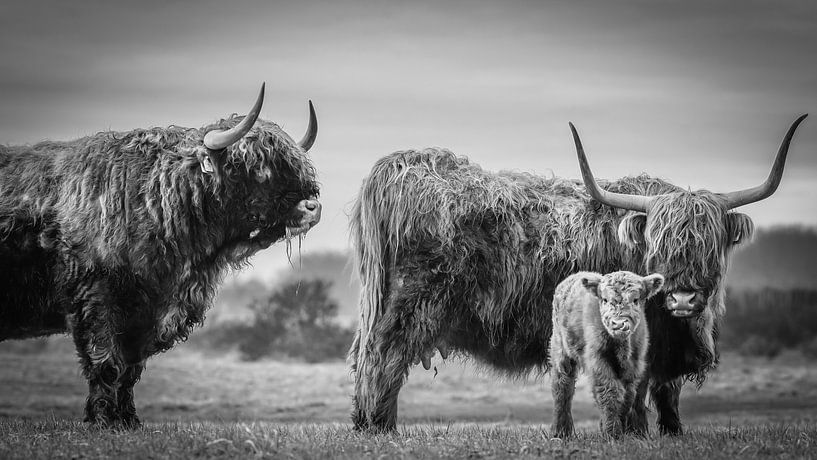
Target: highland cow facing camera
point(599, 325)
point(453, 257)
point(121, 238)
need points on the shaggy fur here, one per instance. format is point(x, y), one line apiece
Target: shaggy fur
point(120, 239)
point(453, 256)
point(598, 325)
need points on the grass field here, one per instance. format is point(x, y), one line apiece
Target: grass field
point(200, 406)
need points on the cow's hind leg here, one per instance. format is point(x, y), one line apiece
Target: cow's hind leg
point(665, 397)
point(378, 381)
point(407, 328)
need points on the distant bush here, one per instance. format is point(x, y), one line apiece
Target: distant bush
point(296, 320)
point(809, 348)
point(764, 322)
point(25, 347)
point(756, 345)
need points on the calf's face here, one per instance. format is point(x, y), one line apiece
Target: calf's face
point(622, 296)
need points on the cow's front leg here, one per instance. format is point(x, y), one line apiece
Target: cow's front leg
point(635, 421)
point(93, 327)
point(666, 397)
point(104, 369)
point(609, 394)
point(125, 405)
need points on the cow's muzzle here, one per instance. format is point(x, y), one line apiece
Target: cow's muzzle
point(684, 304)
point(310, 214)
point(620, 328)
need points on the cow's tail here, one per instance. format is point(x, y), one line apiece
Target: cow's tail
point(373, 238)
point(370, 247)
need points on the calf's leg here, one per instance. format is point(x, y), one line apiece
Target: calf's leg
point(635, 420)
point(609, 394)
point(563, 385)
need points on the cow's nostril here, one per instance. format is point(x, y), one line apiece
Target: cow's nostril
point(311, 205)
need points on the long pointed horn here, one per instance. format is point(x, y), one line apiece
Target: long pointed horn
point(311, 130)
point(218, 139)
point(766, 189)
point(617, 200)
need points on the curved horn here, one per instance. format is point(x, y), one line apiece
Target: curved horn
point(617, 200)
point(766, 189)
point(219, 139)
point(311, 130)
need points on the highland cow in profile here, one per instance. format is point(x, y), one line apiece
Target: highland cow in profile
point(454, 257)
point(599, 326)
point(121, 238)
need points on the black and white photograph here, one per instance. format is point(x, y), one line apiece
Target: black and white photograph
point(408, 229)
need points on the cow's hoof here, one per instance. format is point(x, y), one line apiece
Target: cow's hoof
point(671, 430)
point(636, 425)
point(101, 413)
point(561, 431)
point(131, 422)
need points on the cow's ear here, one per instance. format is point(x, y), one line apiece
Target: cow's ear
point(740, 228)
point(653, 284)
point(631, 230)
point(590, 281)
point(210, 162)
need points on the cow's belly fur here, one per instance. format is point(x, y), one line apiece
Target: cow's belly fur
point(474, 311)
point(45, 289)
point(30, 305)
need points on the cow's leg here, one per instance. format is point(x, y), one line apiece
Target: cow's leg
point(627, 404)
point(406, 329)
point(125, 404)
point(563, 385)
point(635, 421)
point(377, 385)
point(609, 394)
point(665, 396)
point(380, 373)
point(103, 369)
point(94, 332)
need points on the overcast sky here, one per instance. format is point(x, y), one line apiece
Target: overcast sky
point(699, 93)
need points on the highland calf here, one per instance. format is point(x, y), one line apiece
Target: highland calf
point(121, 238)
point(599, 325)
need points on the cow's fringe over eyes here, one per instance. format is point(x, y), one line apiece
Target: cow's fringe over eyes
point(696, 218)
